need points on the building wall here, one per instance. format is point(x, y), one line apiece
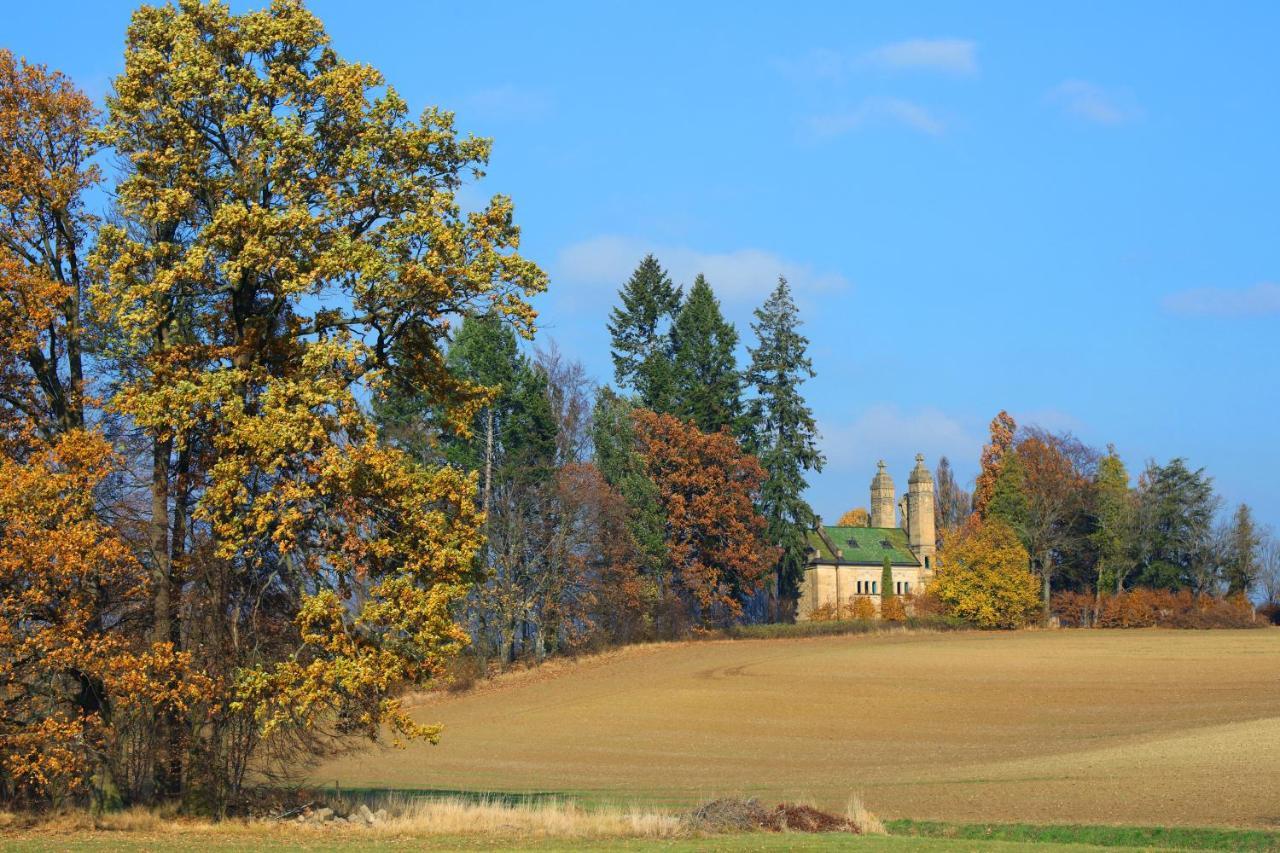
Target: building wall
point(821, 582)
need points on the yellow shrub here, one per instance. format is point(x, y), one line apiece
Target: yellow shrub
point(984, 577)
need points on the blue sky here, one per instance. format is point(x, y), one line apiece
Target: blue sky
point(1068, 212)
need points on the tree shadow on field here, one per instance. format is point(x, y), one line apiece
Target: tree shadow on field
point(374, 796)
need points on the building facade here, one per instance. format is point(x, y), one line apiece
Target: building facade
point(846, 563)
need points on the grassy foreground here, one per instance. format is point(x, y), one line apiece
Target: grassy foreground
point(906, 836)
point(457, 823)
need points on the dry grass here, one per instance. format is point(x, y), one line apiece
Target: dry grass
point(407, 817)
point(1146, 727)
point(861, 819)
point(417, 816)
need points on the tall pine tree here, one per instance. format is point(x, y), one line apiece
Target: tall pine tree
point(1241, 565)
point(1113, 518)
point(513, 437)
point(707, 386)
point(639, 329)
point(784, 435)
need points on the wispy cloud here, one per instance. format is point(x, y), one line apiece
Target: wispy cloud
point(887, 431)
point(943, 55)
point(507, 102)
point(1095, 104)
point(952, 56)
point(1260, 300)
point(872, 112)
point(594, 269)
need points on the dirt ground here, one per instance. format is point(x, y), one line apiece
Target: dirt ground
point(1137, 727)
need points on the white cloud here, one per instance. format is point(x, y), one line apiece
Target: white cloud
point(945, 55)
point(1092, 103)
point(941, 55)
point(1258, 301)
point(887, 431)
point(506, 102)
point(743, 276)
point(871, 112)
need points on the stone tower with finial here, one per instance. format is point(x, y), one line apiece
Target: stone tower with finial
point(921, 535)
point(883, 510)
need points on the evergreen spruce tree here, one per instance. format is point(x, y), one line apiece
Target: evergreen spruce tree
point(1113, 519)
point(707, 386)
point(783, 433)
point(1176, 506)
point(1009, 497)
point(512, 438)
point(1241, 567)
point(623, 468)
point(639, 329)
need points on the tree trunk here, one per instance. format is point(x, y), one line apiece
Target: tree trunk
point(1045, 575)
point(488, 458)
point(162, 618)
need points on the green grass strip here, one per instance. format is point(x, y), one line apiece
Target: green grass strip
point(1167, 837)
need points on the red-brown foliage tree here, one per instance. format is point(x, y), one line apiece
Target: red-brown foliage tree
point(993, 453)
point(716, 551)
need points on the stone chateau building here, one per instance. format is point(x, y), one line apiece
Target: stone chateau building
point(847, 562)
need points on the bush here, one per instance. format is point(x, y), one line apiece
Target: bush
point(779, 630)
point(892, 609)
point(1150, 608)
point(984, 577)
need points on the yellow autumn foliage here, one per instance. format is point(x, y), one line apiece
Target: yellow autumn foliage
point(984, 576)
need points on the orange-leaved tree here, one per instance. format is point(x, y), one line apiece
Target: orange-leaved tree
point(856, 517)
point(716, 552)
point(74, 668)
point(983, 576)
point(73, 671)
point(1003, 428)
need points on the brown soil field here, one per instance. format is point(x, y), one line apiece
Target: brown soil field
point(1121, 727)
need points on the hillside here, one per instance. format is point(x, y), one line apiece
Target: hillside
point(1140, 727)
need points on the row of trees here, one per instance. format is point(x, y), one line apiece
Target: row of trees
point(673, 502)
point(274, 451)
point(1047, 506)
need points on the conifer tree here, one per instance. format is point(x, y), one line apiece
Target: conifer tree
point(1176, 506)
point(1241, 567)
point(639, 329)
point(620, 463)
point(707, 385)
point(1008, 500)
point(1112, 522)
point(513, 435)
point(886, 586)
point(784, 434)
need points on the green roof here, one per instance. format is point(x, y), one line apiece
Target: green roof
point(862, 546)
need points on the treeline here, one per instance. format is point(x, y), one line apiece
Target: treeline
point(1060, 527)
point(276, 449)
point(671, 503)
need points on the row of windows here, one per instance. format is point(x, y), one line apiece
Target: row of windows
point(870, 587)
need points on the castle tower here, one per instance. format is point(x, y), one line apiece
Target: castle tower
point(921, 535)
point(883, 512)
